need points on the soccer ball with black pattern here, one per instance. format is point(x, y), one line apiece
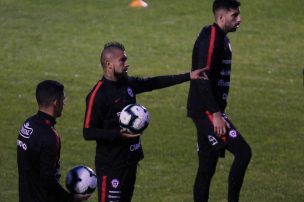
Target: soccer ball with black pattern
point(135, 118)
point(81, 180)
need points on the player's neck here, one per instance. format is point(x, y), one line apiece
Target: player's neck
point(110, 77)
point(48, 110)
point(221, 26)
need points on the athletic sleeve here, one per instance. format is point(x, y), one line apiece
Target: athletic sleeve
point(49, 158)
point(96, 109)
point(141, 85)
point(204, 55)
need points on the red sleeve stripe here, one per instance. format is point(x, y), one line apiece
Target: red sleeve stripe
point(91, 101)
point(211, 46)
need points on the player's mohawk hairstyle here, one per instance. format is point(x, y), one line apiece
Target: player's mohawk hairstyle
point(108, 49)
point(114, 44)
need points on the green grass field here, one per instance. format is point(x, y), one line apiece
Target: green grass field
point(62, 40)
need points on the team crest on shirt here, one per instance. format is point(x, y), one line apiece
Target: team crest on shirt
point(26, 131)
point(130, 92)
point(233, 133)
point(115, 183)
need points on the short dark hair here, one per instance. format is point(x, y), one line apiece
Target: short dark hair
point(225, 4)
point(47, 91)
point(108, 47)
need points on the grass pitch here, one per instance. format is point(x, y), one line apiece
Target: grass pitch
point(62, 40)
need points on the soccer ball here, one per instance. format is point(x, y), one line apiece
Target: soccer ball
point(81, 180)
point(135, 118)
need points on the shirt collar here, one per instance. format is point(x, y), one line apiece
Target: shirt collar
point(219, 29)
point(118, 83)
point(48, 119)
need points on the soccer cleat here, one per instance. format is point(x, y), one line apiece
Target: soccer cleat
point(138, 4)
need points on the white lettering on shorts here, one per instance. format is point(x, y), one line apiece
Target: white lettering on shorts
point(212, 140)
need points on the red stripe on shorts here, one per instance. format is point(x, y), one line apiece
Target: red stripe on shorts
point(103, 188)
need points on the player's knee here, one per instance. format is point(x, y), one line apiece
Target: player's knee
point(248, 153)
point(206, 171)
point(245, 154)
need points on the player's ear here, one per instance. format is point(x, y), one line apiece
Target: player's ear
point(220, 15)
point(109, 64)
point(55, 103)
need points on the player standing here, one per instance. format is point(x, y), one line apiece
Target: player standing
point(118, 152)
point(207, 101)
point(38, 149)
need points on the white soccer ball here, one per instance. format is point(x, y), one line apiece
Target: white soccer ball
point(81, 180)
point(135, 118)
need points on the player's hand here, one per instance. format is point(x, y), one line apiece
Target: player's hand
point(220, 125)
point(125, 134)
point(199, 74)
point(81, 197)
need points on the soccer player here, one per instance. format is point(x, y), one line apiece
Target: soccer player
point(207, 101)
point(118, 151)
point(38, 149)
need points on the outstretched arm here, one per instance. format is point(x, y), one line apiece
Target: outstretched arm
point(141, 85)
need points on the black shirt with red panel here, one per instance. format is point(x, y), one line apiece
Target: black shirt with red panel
point(38, 154)
point(212, 49)
point(103, 106)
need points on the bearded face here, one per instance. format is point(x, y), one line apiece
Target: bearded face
point(232, 20)
point(121, 76)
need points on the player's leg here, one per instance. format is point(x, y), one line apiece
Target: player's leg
point(237, 145)
point(205, 172)
point(128, 183)
point(116, 184)
point(102, 183)
point(208, 157)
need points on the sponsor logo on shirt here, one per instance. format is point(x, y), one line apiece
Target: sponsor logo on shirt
point(226, 62)
point(223, 83)
point(22, 145)
point(117, 100)
point(225, 72)
point(135, 147)
point(26, 131)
